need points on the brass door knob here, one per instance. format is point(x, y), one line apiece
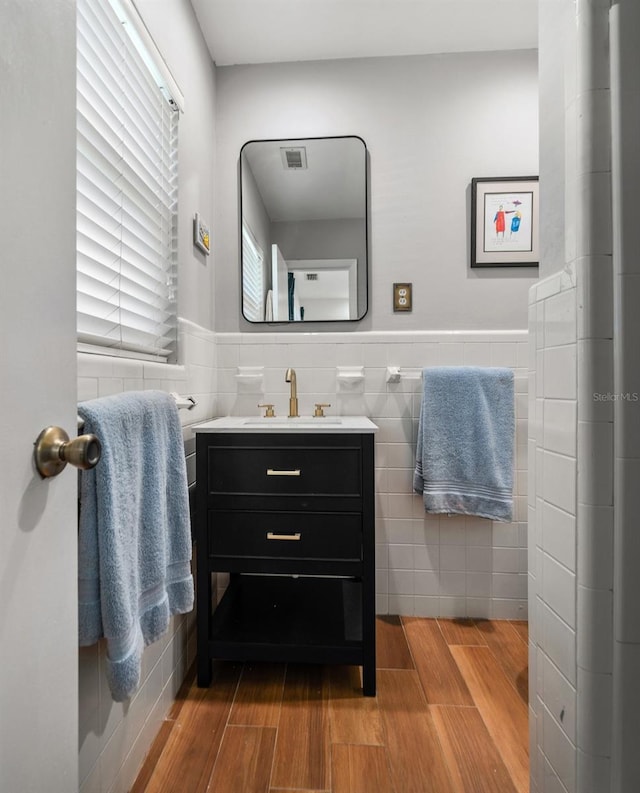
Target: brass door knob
point(53, 450)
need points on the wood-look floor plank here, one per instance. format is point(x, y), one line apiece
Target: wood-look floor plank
point(244, 760)
point(439, 675)
point(192, 747)
point(429, 749)
point(302, 750)
point(522, 629)
point(510, 651)
point(415, 755)
point(360, 769)
point(392, 650)
point(259, 695)
point(353, 718)
point(460, 631)
point(503, 712)
point(473, 759)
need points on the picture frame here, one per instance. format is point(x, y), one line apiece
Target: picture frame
point(201, 235)
point(505, 221)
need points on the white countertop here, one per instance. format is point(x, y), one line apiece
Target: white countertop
point(327, 424)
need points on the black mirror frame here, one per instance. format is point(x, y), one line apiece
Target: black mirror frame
point(299, 323)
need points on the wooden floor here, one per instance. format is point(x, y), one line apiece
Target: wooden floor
point(450, 716)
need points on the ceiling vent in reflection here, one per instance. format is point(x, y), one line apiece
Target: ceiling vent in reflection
point(312, 276)
point(294, 158)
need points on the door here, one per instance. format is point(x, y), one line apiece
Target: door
point(279, 285)
point(38, 523)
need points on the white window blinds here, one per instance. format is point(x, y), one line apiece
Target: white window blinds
point(252, 277)
point(127, 184)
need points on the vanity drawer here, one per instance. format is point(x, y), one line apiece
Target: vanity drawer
point(285, 535)
point(285, 470)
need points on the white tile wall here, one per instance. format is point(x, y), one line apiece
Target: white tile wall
point(559, 480)
point(570, 543)
point(558, 534)
point(571, 487)
point(553, 444)
point(560, 754)
point(557, 640)
point(115, 737)
point(594, 248)
point(559, 697)
point(428, 565)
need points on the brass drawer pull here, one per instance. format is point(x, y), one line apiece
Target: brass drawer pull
point(272, 536)
point(274, 472)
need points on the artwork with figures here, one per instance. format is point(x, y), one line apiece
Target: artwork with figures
point(507, 222)
point(504, 221)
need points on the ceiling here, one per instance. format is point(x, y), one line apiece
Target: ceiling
point(333, 185)
point(268, 31)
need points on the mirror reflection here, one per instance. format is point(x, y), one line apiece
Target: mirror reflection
point(304, 229)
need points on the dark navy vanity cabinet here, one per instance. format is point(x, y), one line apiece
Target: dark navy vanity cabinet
point(290, 515)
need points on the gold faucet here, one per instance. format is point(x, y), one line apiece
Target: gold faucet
point(290, 377)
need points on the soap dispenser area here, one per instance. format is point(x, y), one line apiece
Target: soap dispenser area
point(286, 506)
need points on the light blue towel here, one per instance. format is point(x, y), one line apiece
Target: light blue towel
point(134, 537)
point(464, 455)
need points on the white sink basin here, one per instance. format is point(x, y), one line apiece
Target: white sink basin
point(285, 424)
point(298, 421)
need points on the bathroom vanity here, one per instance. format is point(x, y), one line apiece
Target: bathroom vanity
point(286, 506)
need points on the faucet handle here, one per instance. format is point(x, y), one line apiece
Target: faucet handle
point(269, 412)
point(319, 412)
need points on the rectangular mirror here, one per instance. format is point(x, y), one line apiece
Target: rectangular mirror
point(304, 250)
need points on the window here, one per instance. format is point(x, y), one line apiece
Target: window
point(252, 277)
point(127, 184)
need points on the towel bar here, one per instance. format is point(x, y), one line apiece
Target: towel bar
point(184, 402)
point(181, 401)
point(397, 373)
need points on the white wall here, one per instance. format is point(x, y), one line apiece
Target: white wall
point(174, 28)
point(320, 239)
point(430, 124)
point(552, 557)
point(427, 565)
point(556, 62)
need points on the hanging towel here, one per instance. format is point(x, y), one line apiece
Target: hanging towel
point(464, 454)
point(134, 537)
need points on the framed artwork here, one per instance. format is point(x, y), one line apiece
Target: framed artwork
point(504, 221)
point(201, 234)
